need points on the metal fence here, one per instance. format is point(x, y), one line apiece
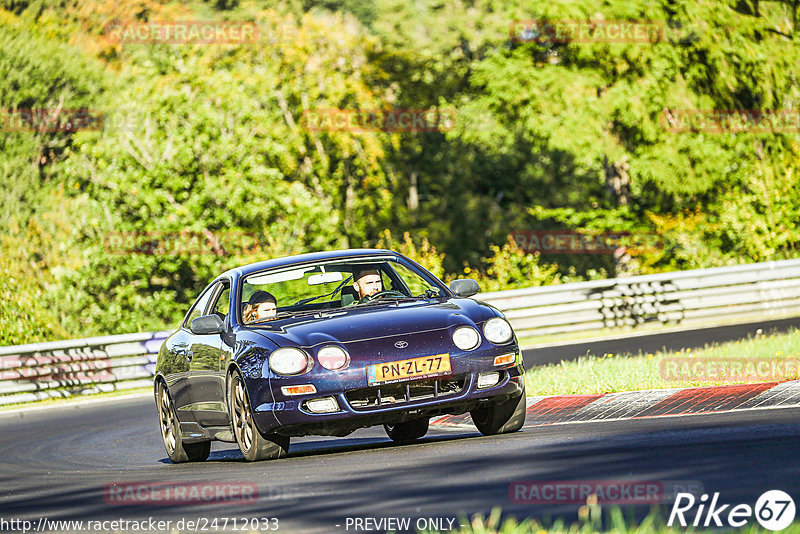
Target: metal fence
point(80, 366)
point(688, 298)
point(685, 298)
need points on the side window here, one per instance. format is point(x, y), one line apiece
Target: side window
point(388, 283)
point(416, 284)
point(222, 301)
point(199, 306)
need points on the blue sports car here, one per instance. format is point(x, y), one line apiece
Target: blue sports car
point(327, 343)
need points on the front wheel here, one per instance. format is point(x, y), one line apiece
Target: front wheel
point(408, 431)
point(501, 418)
point(177, 450)
point(254, 445)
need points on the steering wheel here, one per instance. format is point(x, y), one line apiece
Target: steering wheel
point(386, 293)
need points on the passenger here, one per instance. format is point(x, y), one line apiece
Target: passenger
point(261, 306)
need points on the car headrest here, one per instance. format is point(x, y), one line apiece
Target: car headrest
point(349, 295)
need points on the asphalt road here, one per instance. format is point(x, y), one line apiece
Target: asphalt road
point(58, 463)
point(653, 342)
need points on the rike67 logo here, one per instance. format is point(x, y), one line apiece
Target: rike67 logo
point(774, 510)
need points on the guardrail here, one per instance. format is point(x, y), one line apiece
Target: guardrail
point(687, 298)
point(80, 366)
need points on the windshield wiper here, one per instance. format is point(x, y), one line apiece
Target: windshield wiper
point(291, 313)
point(387, 300)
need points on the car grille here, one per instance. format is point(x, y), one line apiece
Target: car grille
point(391, 394)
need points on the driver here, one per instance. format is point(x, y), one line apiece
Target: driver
point(261, 306)
point(367, 282)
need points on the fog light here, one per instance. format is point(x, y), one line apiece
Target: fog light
point(306, 389)
point(487, 380)
point(505, 359)
point(322, 405)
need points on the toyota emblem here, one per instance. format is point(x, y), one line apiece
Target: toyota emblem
point(401, 344)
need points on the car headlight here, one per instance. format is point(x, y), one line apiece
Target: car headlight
point(333, 358)
point(290, 361)
point(466, 338)
point(497, 330)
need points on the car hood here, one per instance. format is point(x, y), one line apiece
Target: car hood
point(361, 323)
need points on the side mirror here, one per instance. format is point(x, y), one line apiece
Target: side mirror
point(464, 287)
point(207, 324)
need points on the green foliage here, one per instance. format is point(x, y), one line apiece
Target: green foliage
point(226, 4)
point(506, 268)
point(210, 143)
point(570, 111)
point(36, 73)
point(592, 517)
point(758, 218)
point(509, 268)
point(24, 317)
point(425, 254)
point(363, 10)
point(755, 220)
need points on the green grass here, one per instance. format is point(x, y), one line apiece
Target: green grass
point(591, 520)
point(628, 372)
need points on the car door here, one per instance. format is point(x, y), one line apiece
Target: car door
point(175, 364)
point(208, 352)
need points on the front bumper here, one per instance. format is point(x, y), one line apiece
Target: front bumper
point(361, 405)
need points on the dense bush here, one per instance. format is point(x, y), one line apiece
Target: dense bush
point(205, 160)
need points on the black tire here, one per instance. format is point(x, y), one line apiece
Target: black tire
point(408, 431)
point(500, 418)
point(177, 450)
point(254, 445)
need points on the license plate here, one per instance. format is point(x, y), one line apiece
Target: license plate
point(424, 367)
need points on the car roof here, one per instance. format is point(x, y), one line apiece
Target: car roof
point(305, 258)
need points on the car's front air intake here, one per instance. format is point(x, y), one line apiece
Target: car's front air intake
point(390, 394)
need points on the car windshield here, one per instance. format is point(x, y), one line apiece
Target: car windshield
point(332, 284)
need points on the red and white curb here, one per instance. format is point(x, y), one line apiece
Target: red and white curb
point(560, 409)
